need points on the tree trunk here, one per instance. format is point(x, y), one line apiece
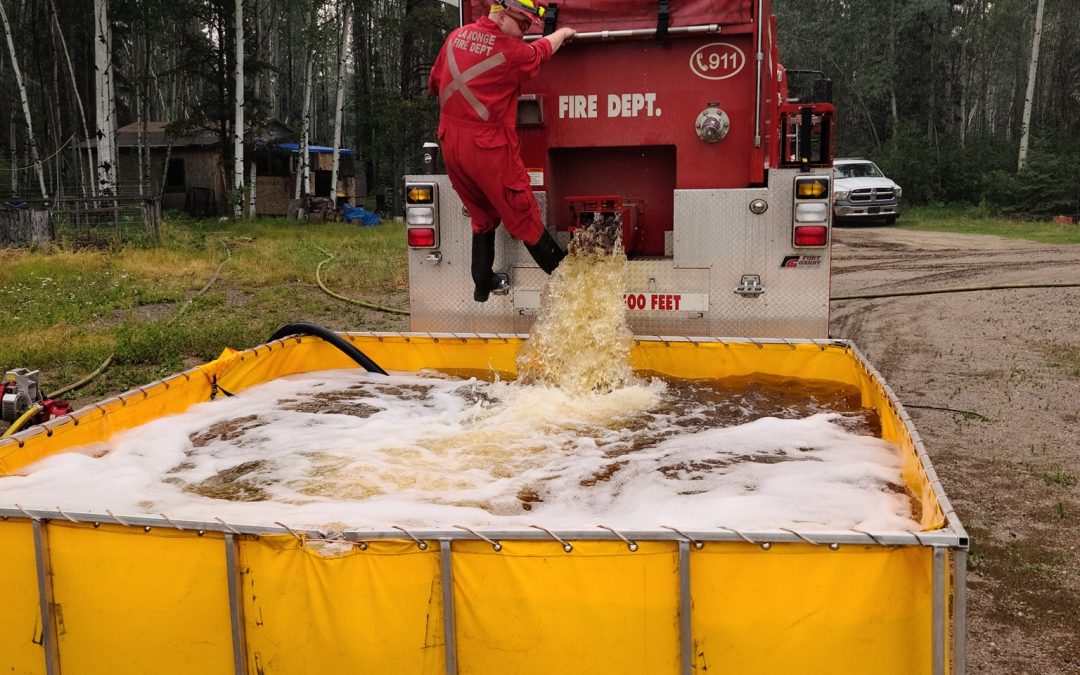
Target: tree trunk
point(302, 169)
point(165, 171)
point(339, 107)
point(303, 180)
point(1029, 97)
point(361, 96)
point(14, 158)
point(238, 116)
point(141, 113)
point(252, 184)
point(105, 132)
point(25, 105)
point(78, 99)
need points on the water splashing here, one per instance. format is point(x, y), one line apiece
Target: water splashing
point(580, 342)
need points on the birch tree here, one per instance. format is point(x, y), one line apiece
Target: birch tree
point(339, 108)
point(31, 140)
point(77, 96)
point(106, 99)
point(1029, 96)
point(238, 115)
point(302, 171)
point(304, 168)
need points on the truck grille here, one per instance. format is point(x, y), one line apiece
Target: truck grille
point(871, 195)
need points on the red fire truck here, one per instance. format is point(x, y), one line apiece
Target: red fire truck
point(675, 118)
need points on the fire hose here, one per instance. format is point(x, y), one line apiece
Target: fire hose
point(362, 303)
point(957, 289)
point(333, 338)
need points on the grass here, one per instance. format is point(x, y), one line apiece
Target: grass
point(979, 220)
point(66, 311)
point(1059, 478)
point(1066, 357)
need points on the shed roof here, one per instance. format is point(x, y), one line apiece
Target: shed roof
point(157, 135)
point(315, 149)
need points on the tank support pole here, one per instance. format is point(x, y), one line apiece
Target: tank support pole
point(938, 624)
point(45, 598)
point(686, 637)
point(960, 610)
point(236, 603)
point(449, 626)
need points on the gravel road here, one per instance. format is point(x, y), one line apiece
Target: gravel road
point(1011, 462)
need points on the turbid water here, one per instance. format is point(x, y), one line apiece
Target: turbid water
point(434, 450)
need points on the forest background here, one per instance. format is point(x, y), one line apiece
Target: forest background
point(933, 90)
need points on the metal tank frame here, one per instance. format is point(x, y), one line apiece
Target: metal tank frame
point(949, 544)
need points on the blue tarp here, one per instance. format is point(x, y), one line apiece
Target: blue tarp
point(352, 214)
point(317, 149)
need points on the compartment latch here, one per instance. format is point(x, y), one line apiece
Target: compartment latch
point(750, 286)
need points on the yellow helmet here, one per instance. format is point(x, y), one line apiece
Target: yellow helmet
point(531, 8)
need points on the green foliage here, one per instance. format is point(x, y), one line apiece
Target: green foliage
point(68, 311)
point(1050, 181)
point(985, 219)
point(933, 92)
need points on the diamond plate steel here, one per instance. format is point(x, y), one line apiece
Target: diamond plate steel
point(441, 295)
point(717, 230)
point(716, 240)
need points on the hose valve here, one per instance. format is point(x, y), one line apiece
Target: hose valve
point(712, 125)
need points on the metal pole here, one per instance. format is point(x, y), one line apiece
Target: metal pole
point(45, 598)
point(686, 637)
point(449, 627)
point(937, 639)
point(236, 604)
point(630, 33)
point(758, 56)
point(960, 610)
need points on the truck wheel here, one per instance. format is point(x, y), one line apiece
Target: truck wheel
point(890, 220)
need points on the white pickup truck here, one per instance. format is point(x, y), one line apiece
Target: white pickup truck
point(862, 193)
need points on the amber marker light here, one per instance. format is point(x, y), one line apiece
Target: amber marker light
point(812, 188)
point(420, 194)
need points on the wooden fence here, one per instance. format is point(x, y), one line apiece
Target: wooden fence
point(82, 221)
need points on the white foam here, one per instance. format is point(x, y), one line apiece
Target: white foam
point(434, 451)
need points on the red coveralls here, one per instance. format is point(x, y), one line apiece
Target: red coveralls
point(477, 78)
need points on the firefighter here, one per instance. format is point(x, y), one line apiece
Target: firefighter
point(478, 77)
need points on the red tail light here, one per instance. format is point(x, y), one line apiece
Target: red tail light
point(811, 235)
point(421, 237)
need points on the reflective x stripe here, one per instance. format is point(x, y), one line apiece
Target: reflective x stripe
point(461, 80)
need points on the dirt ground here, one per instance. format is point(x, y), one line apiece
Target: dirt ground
point(1010, 358)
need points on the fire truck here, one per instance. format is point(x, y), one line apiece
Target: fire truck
point(674, 120)
point(677, 120)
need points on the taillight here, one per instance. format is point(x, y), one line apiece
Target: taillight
point(421, 237)
point(811, 235)
point(811, 212)
point(422, 214)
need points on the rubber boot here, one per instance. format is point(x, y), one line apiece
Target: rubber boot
point(546, 252)
point(483, 258)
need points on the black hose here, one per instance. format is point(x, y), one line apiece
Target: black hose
point(962, 289)
point(333, 338)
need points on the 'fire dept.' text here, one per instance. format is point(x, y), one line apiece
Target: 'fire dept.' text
point(618, 105)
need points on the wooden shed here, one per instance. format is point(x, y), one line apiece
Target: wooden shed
point(197, 181)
